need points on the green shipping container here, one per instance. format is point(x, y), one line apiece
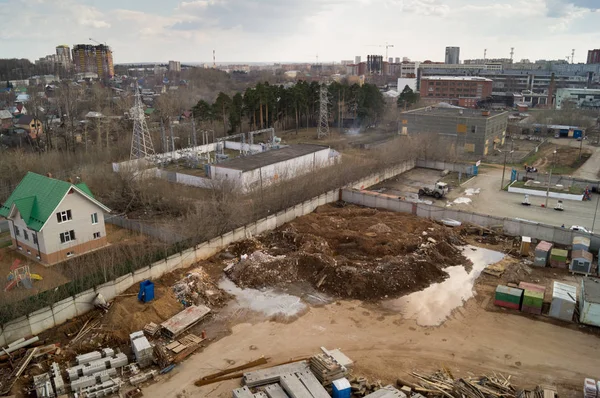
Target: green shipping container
point(559, 255)
point(508, 294)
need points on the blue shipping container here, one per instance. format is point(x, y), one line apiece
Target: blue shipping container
point(146, 293)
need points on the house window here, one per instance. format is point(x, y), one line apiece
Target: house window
point(63, 216)
point(95, 218)
point(96, 235)
point(68, 236)
point(34, 236)
point(25, 235)
point(69, 254)
point(17, 232)
point(473, 129)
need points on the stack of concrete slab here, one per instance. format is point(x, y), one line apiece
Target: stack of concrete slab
point(326, 368)
point(142, 377)
point(105, 389)
point(387, 392)
point(94, 356)
point(88, 369)
point(57, 380)
point(43, 386)
point(243, 392)
point(310, 382)
point(181, 322)
point(275, 391)
point(144, 354)
point(273, 375)
point(96, 378)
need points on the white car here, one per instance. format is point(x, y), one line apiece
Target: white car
point(579, 228)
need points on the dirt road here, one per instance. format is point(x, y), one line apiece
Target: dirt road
point(385, 346)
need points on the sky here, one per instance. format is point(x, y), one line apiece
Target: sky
point(301, 30)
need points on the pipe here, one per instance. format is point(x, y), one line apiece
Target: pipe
point(20, 345)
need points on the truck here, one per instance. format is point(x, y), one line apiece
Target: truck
point(438, 190)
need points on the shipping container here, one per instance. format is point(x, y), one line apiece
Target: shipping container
point(533, 298)
point(581, 243)
point(542, 254)
point(508, 297)
point(589, 302)
point(564, 299)
point(581, 262)
point(558, 258)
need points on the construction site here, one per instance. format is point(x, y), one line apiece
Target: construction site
point(346, 298)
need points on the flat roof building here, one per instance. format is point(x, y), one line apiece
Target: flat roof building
point(452, 88)
point(584, 98)
point(462, 131)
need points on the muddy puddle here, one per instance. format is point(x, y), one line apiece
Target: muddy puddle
point(267, 302)
point(432, 306)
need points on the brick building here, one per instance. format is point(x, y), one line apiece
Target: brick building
point(452, 88)
point(593, 56)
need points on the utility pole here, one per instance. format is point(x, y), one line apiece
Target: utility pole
point(504, 167)
point(550, 179)
point(595, 212)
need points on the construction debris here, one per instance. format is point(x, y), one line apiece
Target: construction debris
point(326, 368)
point(443, 383)
point(151, 329)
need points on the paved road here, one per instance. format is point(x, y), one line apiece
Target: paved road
point(591, 167)
point(491, 200)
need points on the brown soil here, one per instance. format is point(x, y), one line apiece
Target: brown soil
point(350, 252)
point(565, 156)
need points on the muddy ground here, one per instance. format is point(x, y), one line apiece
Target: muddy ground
point(476, 338)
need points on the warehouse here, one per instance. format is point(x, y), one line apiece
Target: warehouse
point(467, 130)
point(266, 168)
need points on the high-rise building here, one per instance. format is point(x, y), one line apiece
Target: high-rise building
point(397, 60)
point(452, 55)
point(63, 56)
point(97, 59)
point(593, 56)
point(357, 59)
point(390, 60)
point(174, 66)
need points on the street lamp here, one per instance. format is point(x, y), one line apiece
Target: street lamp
point(504, 167)
point(550, 179)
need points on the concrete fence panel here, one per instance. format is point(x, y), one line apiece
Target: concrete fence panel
point(123, 283)
point(188, 257)
point(108, 290)
point(565, 237)
point(141, 274)
point(280, 219)
point(228, 237)
point(41, 320)
point(158, 269)
point(251, 229)
point(64, 310)
point(309, 206)
point(297, 211)
point(16, 329)
point(322, 200)
point(203, 251)
point(271, 222)
point(512, 227)
point(238, 235)
point(261, 226)
point(333, 196)
point(84, 301)
point(216, 244)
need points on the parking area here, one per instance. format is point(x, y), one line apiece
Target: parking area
point(409, 183)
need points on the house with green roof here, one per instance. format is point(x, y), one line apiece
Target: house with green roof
point(52, 220)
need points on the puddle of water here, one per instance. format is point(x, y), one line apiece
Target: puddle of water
point(268, 301)
point(472, 191)
point(432, 306)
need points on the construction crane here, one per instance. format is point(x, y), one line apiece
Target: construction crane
point(96, 41)
point(386, 48)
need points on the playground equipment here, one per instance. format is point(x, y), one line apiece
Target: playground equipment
point(20, 275)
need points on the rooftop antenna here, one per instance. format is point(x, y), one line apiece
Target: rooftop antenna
point(323, 129)
point(484, 54)
point(386, 50)
point(512, 53)
point(141, 141)
point(572, 55)
point(214, 60)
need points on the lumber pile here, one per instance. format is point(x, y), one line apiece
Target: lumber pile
point(326, 368)
point(443, 384)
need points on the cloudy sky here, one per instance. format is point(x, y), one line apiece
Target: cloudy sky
point(299, 30)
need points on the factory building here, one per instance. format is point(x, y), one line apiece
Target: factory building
point(467, 130)
point(452, 88)
point(266, 168)
point(578, 97)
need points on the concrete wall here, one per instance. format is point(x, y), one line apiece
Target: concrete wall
point(441, 165)
point(510, 226)
point(81, 303)
point(555, 195)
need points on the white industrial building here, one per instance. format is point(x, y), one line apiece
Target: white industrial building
point(266, 168)
point(586, 98)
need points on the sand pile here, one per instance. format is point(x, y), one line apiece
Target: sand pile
point(352, 253)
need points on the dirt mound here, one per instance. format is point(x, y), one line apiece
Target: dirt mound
point(128, 314)
point(398, 253)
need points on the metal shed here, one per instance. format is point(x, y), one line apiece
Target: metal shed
point(581, 243)
point(558, 258)
point(564, 299)
point(533, 298)
point(589, 302)
point(542, 252)
point(581, 262)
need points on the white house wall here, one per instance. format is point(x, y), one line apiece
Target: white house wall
point(18, 222)
point(81, 211)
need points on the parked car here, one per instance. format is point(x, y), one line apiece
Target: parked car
point(579, 228)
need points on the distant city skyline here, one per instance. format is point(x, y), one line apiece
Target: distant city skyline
point(266, 31)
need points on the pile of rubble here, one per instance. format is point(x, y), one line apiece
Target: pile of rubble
point(198, 288)
point(351, 252)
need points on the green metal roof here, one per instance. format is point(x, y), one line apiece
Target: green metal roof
point(36, 197)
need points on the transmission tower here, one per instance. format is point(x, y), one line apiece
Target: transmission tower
point(323, 129)
point(141, 142)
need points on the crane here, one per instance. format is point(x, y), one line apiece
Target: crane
point(386, 48)
point(96, 41)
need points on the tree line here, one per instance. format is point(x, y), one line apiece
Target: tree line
point(291, 107)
